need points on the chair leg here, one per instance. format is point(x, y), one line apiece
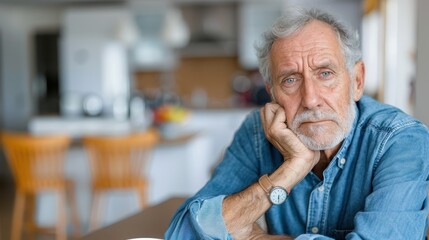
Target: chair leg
point(30, 214)
point(18, 214)
point(95, 210)
point(73, 208)
point(142, 196)
point(61, 226)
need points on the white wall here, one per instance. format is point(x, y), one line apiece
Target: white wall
point(16, 26)
point(421, 110)
point(399, 49)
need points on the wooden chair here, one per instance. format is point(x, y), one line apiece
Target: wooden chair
point(37, 163)
point(118, 162)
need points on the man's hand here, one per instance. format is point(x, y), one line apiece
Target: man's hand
point(241, 210)
point(301, 159)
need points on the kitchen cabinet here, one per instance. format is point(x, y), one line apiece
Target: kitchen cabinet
point(95, 70)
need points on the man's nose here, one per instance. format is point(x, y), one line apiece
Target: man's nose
point(310, 94)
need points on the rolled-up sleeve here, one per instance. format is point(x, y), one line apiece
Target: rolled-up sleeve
point(210, 220)
point(199, 219)
point(312, 237)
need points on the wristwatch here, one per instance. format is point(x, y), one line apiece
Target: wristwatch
point(276, 194)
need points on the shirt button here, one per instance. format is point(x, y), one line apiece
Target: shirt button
point(342, 161)
point(314, 229)
point(321, 188)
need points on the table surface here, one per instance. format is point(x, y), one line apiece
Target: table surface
point(150, 222)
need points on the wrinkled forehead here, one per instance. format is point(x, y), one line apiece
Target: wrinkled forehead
point(316, 40)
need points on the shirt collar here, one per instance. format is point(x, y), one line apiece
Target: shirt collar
point(346, 142)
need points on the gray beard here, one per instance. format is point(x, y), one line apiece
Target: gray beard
point(345, 126)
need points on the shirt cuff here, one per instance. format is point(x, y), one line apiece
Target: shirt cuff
point(210, 220)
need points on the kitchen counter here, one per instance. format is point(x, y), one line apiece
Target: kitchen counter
point(77, 127)
point(179, 165)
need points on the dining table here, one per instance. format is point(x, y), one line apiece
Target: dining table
point(151, 222)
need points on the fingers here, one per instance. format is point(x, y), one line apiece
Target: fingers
point(267, 113)
point(279, 119)
point(273, 118)
point(294, 151)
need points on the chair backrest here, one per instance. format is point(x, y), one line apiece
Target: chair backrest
point(119, 161)
point(37, 162)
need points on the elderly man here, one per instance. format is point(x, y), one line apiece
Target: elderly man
point(321, 161)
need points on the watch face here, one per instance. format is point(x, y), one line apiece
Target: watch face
point(278, 195)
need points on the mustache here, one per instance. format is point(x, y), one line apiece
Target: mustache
point(314, 115)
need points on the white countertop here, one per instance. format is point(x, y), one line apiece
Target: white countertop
point(77, 127)
point(197, 121)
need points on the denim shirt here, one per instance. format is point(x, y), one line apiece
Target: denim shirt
point(375, 187)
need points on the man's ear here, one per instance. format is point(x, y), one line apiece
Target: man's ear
point(358, 80)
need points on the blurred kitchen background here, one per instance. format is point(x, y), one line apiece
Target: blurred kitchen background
point(114, 66)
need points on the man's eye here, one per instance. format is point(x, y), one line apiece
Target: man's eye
point(325, 74)
point(290, 80)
